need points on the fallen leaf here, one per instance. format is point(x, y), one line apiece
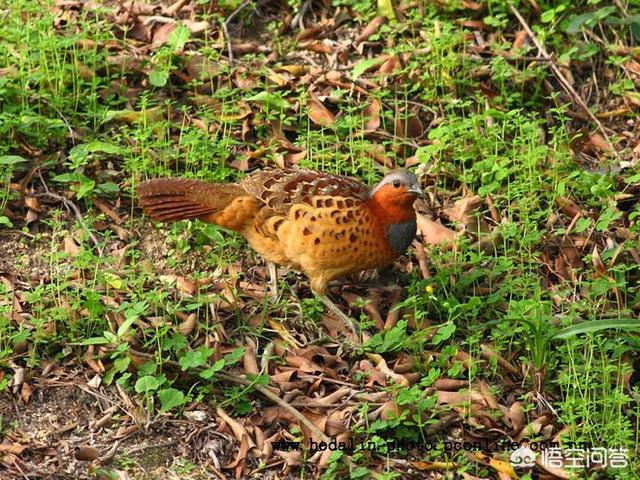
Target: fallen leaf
point(372, 27)
point(434, 233)
point(186, 285)
point(239, 431)
point(391, 64)
point(318, 113)
point(378, 153)
point(186, 327)
point(462, 209)
point(86, 454)
point(499, 465)
point(161, 34)
point(520, 39)
point(372, 115)
point(106, 208)
point(25, 392)
point(409, 127)
point(450, 384)
point(196, 26)
point(597, 262)
point(244, 80)
point(382, 366)
point(459, 398)
point(310, 32)
point(316, 46)
point(249, 360)
point(569, 207)
point(31, 216)
point(70, 246)
point(12, 448)
point(516, 416)
point(429, 466)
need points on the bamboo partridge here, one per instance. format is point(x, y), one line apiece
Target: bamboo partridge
point(324, 225)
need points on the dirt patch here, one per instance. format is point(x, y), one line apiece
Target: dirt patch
point(65, 423)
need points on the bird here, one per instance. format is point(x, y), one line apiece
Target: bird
point(325, 225)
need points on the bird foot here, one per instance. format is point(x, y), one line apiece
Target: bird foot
point(333, 308)
point(273, 281)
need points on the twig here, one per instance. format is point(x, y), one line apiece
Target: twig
point(64, 120)
point(110, 453)
point(20, 232)
point(17, 466)
point(299, 17)
point(72, 206)
point(444, 422)
point(560, 76)
point(225, 28)
point(175, 8)
point(69, 206)
point(488, 353)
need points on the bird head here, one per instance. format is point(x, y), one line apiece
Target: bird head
point(398, 189)
point(392, 203)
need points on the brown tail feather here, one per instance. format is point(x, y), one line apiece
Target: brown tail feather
point(169, 199)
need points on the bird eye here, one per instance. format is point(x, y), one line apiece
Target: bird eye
point(396, 183)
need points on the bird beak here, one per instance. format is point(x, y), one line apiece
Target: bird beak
point(416, 190)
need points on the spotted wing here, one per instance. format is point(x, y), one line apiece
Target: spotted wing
point(281, 189)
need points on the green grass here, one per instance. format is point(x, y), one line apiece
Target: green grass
point(91, 126)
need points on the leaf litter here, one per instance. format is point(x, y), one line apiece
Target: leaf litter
point(327, 384)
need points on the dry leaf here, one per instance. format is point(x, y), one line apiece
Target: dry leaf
point(316, 46)
point(70, 246)
point(411, 127)
point(12, 448)
point(186, 327)
point(31, 216)
point(249, 359)
point(382, 366)
point(520, 39)
point(244, 80)
point(459, 398)
point(25, 392)
point(239, 431)
point(516, 416)
point(161, 35)
point(568, 207)
point(318, 113)
point(391, 64)
point(86, 454)
point(597, 262)
point(372, 115)
point(434, 233)
point(462, 209)
point(499, 465)
point(372, 27)
point(429, 466)
point(196, 26)
point(450, 384)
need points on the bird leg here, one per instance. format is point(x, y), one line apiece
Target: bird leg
point(333, 308)
point(273, 280)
